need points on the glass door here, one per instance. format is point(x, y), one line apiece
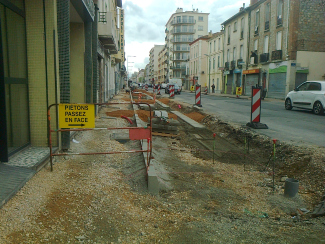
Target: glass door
point(14, 59)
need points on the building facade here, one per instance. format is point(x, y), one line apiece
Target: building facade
point(162, 66)
point(235, 48)
point(215, 54)
point(287, 45)
point(182, 28)
point(51, 53)
point(111, 59)
point(153, 62)
point(198, 63)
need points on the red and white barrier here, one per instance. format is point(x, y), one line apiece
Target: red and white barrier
point(256, 109)
point(256, 105)
point(158, 93)
point(206, 90)
point(198, 95)
point(154, 89)
point(171, 91)
point(146, 87)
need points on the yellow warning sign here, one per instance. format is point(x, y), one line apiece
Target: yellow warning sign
point(192, 88)
point(76, 115)
point(239, 90)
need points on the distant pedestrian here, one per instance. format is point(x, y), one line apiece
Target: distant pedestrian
point(213, 87)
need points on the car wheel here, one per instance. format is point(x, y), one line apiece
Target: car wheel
point(318, 108)
point(287, 104)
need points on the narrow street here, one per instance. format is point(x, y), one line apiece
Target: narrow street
point(297, 127)
point(203, 199)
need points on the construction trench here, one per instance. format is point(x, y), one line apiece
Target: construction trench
point(168, 122)
point(204, 188)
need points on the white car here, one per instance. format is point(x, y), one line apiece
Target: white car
point(309, 95)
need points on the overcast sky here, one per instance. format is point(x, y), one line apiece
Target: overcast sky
point(145, 22)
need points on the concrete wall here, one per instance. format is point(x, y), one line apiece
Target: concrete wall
point(314, 61)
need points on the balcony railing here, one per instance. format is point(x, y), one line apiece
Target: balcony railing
point(178, 67)
point(183, 31)
point(180, 59)
point(183, 49)
point(264, 57)
point(279, 20)
point(233, 65)
point(182, 40)
point(277, 55)
point(102, 17)
point(178, 22)
point(107, 32)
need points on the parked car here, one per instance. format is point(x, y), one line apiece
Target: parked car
point(309, 95)
point(177, 89)
point(163, 85)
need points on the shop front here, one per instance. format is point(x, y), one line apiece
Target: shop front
point(251, 79)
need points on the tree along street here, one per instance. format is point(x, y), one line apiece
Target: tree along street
point(298, 127)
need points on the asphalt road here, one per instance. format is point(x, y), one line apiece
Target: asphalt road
point(297, 127)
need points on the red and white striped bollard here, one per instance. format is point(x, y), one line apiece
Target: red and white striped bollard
point(198, 95)
point(171, 91)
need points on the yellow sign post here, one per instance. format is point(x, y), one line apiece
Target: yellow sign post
point(76, 116)
point(239, 90)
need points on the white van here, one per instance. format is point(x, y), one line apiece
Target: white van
point(176, 81)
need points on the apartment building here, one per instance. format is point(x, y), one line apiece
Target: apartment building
point(182, 28)
point(51, 53)
point(147, 73)
point(162, 66)
point(287, 45)
point(215, 54)
point(153, 62)
point(198, 63)
point(235, 48)
point(111, 58)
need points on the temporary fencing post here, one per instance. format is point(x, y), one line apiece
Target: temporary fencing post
point(256, 109)
point(158, 93)
point(214, 144)
point(198, 95)
point(171, 91)
point(274, 141)
point(154, 89)
point(245, 152)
